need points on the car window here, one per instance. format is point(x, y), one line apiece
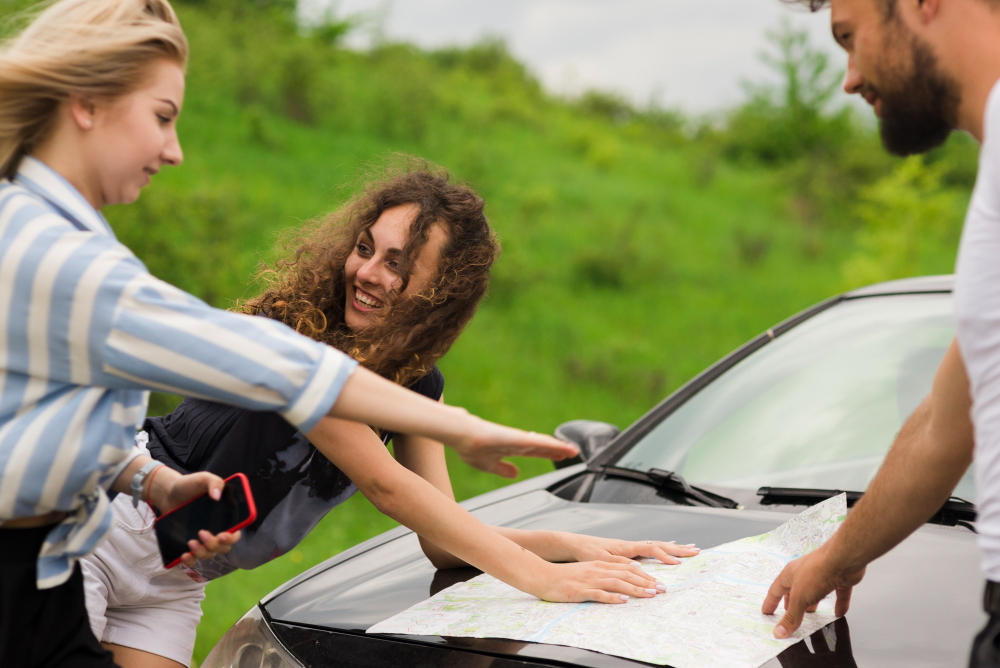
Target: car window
point(817, 407)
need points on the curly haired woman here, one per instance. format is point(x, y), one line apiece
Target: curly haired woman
point(391, 279)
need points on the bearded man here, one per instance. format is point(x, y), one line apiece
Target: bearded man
point(927, 67)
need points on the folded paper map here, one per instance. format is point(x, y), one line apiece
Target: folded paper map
point(709, 617)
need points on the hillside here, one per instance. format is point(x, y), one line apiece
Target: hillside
point(639, 246)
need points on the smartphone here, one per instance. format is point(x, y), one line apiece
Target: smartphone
point(232, 512)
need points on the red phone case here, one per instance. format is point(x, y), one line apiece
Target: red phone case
point(250, 504)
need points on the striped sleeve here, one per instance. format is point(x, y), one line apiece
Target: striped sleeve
point(96, 317)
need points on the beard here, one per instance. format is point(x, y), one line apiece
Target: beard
point(919, 111)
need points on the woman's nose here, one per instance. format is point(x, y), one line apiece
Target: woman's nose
point(172, 153)
point(368, 272)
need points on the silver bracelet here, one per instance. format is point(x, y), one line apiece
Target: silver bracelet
point(138, 479)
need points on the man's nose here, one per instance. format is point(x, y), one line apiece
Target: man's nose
point(853, 80)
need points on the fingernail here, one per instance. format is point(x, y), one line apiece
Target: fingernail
point(651, 591)
point(689, 545)
point(635, 563)
point(780, 632)
point(623, 597)
point(658, 581)
point(661, 587)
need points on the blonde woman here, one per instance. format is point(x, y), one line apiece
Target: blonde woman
point(90, 93)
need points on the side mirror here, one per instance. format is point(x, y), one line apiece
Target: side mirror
point(590, 436)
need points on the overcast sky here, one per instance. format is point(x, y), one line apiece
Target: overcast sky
point(689, 54)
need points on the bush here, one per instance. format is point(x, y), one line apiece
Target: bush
point(905, 216)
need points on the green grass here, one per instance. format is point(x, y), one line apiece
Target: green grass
point(638, 246)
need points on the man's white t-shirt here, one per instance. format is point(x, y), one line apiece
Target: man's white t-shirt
point(977, 310)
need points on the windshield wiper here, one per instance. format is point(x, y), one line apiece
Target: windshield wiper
point(956, 511)
point(668, 481)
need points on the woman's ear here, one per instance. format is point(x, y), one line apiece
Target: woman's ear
point(81, 109)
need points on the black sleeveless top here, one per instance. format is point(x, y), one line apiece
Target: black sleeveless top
point(293, 484)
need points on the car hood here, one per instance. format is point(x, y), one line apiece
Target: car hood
point(920, 605)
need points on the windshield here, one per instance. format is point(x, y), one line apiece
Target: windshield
point(818, 407)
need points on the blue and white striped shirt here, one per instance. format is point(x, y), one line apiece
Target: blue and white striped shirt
point(86, 331)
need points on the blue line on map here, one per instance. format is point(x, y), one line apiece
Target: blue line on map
point(541, 634)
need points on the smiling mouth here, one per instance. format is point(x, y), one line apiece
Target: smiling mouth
point(366, 300)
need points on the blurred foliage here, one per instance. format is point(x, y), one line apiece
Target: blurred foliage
point(906, 216)
point(639, 245)
point(780, 125)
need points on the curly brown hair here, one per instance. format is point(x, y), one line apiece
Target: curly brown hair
point(307, 289)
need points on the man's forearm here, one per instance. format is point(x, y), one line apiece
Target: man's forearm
point(932, 451)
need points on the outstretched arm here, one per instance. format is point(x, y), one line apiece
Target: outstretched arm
point(425, 457)
point(371, 399)
point(931, 453)
point(418, 505)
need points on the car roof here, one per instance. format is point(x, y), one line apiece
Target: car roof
point(903, 286)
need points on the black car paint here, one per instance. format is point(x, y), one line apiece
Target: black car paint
point(918, 606)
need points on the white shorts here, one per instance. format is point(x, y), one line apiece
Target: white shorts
point(132, 600)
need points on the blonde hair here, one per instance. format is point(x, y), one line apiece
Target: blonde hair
point(98, 49)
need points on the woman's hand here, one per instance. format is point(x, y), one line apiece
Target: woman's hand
point(593, 581)
point(368, 398)
point(489, 443)
point(591, 548)
point(170, 490)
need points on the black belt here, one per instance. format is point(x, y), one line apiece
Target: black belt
point(21, 546)
point(991, 597)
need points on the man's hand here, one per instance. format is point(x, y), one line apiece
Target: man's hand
point(490, 443)
point(805, 582)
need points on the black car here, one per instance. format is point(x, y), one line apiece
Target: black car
point(804, 410)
